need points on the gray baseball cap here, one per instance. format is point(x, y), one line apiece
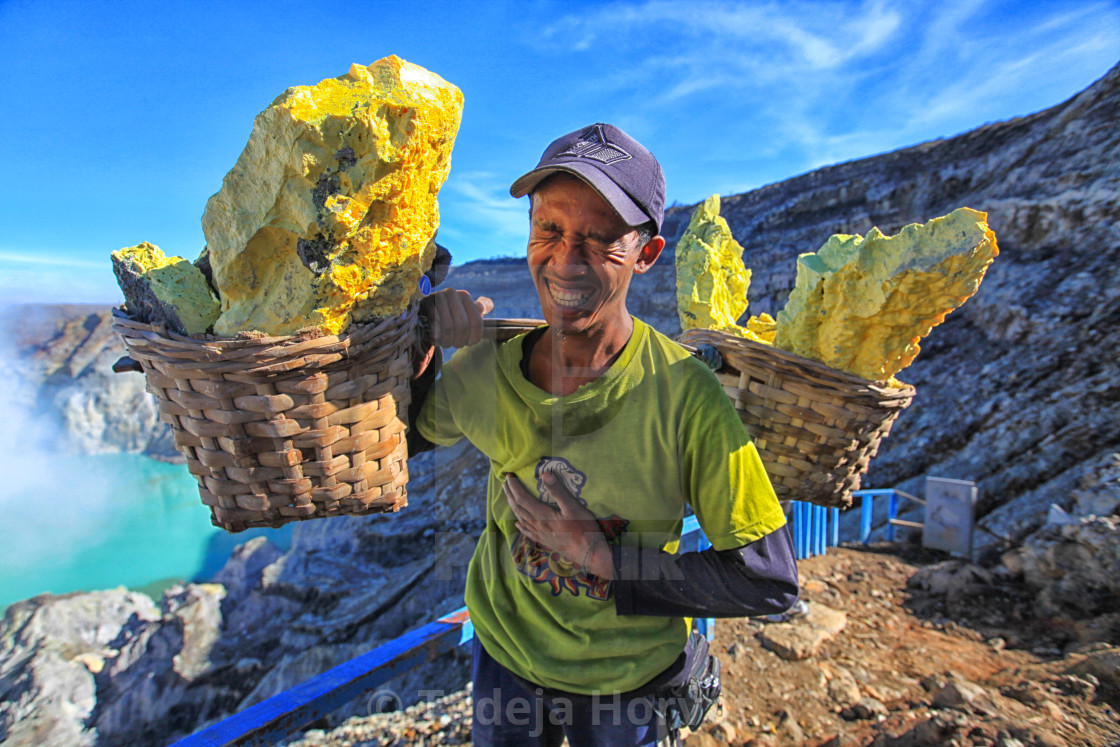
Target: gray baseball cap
point(616, 165)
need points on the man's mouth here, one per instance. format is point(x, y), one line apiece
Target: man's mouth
point(568, 299)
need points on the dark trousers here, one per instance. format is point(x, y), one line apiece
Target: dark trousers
point(508, 712)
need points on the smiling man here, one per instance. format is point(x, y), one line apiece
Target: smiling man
point(601, 433)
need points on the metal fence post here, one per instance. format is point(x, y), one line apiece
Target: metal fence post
point(892, 514)
point(867, 508)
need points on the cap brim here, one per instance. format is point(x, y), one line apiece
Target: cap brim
point(626, 208)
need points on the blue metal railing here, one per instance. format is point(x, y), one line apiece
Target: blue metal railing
point(814, 530)
point(867, 511)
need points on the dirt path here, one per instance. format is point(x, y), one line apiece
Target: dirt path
point(912, 666)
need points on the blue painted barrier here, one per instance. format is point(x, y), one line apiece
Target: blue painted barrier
point(272, 720)
point(814, 528)
point(867, 510)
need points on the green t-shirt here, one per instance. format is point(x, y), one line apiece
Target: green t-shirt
point(654, 433)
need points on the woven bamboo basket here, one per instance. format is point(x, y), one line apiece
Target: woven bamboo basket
point(280, 429)
point(816, 428)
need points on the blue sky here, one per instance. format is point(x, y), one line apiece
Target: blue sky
point(120, 119)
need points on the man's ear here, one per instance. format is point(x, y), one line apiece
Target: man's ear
point(649, 254)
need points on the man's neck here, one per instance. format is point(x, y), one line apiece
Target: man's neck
point(562, 362)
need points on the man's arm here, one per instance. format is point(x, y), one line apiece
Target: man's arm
point(449, 318)
point(428, 366)
point(755, 579)
point(752, 569)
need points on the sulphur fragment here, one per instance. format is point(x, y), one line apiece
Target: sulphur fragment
point(165, 290)
point(863, 304)
point(712, 281)
point(329, 213)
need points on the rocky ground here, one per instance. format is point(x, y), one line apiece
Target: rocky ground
point(901, 648)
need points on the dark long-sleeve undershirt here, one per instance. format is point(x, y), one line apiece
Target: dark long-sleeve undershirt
point(420, 386)
point(755, 579)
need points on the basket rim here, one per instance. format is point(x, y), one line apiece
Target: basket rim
point(273, 354)
point(733, 348)
point(307, 336)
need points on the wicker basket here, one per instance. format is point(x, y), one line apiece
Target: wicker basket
point(816, 428)
point(280, 429)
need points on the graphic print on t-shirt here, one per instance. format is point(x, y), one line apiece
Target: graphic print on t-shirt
point(554, 568)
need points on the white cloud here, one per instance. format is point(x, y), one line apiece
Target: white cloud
point(485, 196)
point(48, 260)
point(816, 35)
point(812, 84)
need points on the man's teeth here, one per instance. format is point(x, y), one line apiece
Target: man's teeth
point(569, 299)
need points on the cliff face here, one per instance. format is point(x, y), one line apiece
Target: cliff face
point(1019, 391)
point(63, 357)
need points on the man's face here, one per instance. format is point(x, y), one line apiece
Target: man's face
point(581, 256)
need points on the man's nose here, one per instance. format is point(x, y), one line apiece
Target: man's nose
point(571, 252)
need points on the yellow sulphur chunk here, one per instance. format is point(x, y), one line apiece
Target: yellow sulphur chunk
point(165, 290)
point(329, 213)
point(863, 304)
point(711, 279)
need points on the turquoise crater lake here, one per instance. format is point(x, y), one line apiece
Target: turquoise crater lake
point(81, 523)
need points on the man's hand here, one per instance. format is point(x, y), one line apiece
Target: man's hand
point(454, 321)
point(570, 529)
point(455, 318)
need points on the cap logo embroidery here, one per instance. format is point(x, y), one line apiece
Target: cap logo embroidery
point(593, 144)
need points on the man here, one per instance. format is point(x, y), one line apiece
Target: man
point(600, 432)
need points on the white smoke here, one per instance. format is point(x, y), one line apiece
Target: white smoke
point(51, 502)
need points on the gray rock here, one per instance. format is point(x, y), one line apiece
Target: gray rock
point(957, 693)
point(866, 708)
point(51, 649)
point(950, 576)
point(1103, 665)
point(843, 688)
point(1074, 566)
point(802, 637)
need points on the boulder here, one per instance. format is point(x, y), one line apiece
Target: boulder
point(802, 637)
point(1074, 566)
point(861, 304)
point(52, 649)
point(330, 211)
point(950, 576)
point(165, 290)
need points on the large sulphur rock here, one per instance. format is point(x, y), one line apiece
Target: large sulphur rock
point(329, 213)
point(165, 290)
point(712, 281)
point(862, 304)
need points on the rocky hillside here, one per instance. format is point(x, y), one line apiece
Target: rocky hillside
point(1018, 391)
